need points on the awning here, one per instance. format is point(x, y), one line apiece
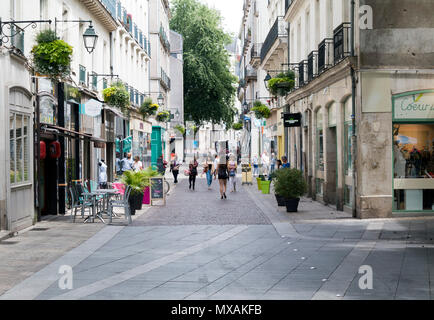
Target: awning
point(115, 111)
point(65, 130)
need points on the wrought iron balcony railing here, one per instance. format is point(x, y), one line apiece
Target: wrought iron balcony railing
point(325, 55)
point(278, 30)
point(341, 42)
point(165, 80)
point(312, 65)
point(288, 4)
point(302, 73)
point(255, 51)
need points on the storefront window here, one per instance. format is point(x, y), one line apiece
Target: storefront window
point(320, 140)
point(19, 148)
point(413, 160)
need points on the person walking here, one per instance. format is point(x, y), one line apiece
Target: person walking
point(272, 163)
point(285, 163)
point(137, 164)
point(174, 167)
point(265, 163)
point(126, 163)
point(223, 175)
point(102, 175)
point(255, 166)
point(193, 173)
point(118, 164)
point(232, 169)
point(208, 169)
point(161, 167)
point(216, 163)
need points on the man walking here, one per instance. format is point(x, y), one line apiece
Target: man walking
point(126, 163)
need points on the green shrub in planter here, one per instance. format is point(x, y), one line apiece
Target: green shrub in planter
point(282, 83)
point(237, 126)
point(290, 185)
point(163, 116)
point(51, 56)
point(261, 110)
point(148, 108)
point(117, 96)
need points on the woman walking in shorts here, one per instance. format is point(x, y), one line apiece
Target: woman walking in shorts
point(223, 175)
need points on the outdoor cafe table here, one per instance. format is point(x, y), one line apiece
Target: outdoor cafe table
point(106, 193)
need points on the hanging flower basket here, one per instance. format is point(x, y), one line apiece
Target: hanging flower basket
point(163, 116)
point(117, 96)
point(148, 108)
point(51, 56)
point(261, 110)
point(282, 84)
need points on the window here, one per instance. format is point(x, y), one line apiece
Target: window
point(320, 140)
point(19, 148)
point(319, 186)
point(348, 132)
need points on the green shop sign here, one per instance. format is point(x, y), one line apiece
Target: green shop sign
point(417, 105)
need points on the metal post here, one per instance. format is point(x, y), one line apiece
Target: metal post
point(353, 117)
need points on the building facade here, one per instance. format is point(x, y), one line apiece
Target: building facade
point(365, 142)
point(69, 115)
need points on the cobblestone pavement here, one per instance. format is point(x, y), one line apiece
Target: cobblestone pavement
point(201, 247)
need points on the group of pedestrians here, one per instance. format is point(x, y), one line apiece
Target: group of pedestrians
point(222, 169)
point(269, 165)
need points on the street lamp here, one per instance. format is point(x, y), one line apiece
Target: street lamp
point(90, 38)
point(266, 79)
point(161, 100)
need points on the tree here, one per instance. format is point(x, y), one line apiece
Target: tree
point(209, 90)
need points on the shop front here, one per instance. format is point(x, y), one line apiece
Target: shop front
point(141, 140)
point(413, 152)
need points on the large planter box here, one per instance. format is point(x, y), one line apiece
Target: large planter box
point(265, 187)
point(147, 196)
point(280, 200)
point(258, 180)
point(135, 202)
point(292, 205)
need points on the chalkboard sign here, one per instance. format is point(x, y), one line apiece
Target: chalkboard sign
point(157, 188)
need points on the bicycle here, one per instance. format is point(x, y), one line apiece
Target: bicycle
point(167, 188)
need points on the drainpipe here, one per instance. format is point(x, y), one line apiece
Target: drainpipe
point(353, 116)
point(285, 130)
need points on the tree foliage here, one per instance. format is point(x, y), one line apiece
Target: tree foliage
point(209, 89)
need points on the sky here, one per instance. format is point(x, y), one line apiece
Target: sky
point(231, 11)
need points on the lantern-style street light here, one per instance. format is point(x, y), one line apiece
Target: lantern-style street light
point(90, 37)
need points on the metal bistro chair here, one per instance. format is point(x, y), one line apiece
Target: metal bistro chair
point(92, 186)
point(77, 203)
point(123, 203)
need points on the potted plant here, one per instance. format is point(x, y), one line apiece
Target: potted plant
point(180, 128)
point(237, 126)
point(137, 181)
point(148, 108)
point(51, 56)
point(265, 186)
point(261, 110)
point(290, 185)
point(273, 177)
point(117, 96)
point(163, 116)
point(148, 174)
point(282, 83)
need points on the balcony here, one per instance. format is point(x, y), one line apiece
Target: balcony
point(341, 42)
point(288, 4)
point(255, 54)
point(104, 11)
point(312, 65)
point(250, 74)
point(164, 80)
point(325, 55)
point(164, 39)
point(302, 73)
point(276, 40)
